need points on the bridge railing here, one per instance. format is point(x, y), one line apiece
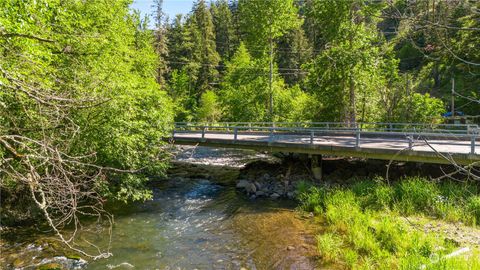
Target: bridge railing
point(339, 126)
point(459, 135)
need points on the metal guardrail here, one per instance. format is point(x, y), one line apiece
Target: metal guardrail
point(367, 126)
point(409, 131)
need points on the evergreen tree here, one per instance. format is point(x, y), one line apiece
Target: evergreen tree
point(294, 51)
point(225, 34)
point(161, 42)
point(205, 58)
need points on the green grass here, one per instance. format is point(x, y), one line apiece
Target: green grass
point(329, 246)
point(363, 228)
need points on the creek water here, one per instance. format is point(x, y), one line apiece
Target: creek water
point(191, 223)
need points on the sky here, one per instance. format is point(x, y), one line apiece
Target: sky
point(170, 7)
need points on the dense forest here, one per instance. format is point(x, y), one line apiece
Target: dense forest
point(89, 91)
point(308, 60)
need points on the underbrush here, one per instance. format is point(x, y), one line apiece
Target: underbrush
point(364, 228)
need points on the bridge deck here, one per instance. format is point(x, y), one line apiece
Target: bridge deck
point(388, 148)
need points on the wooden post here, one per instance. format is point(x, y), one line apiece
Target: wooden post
point(410, 142)
point(203, 132)
point(235, 134)
point(311, 136)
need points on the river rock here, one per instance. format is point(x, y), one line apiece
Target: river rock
point(242, 184)
point(291, 195)
point(275, 196)
point(251, 188)
point(258, 185)
point(260, 193)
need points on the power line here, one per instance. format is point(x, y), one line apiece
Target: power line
point(237, 67)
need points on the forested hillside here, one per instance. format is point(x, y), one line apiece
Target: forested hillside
point(286, 60)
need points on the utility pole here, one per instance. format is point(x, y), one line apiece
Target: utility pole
point(453, 97)
point(407, 89)
point(271, 80)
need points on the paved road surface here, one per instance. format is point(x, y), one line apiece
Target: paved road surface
point(368, 145)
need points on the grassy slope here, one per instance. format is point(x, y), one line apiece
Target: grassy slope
point(364, 224)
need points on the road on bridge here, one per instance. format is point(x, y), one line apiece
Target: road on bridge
point(459, 148)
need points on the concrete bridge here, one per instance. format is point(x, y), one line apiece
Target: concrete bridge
point(440, 143)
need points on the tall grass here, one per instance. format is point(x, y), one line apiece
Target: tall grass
point(363, 228)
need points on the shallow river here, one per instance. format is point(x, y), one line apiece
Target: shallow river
point(191, 224)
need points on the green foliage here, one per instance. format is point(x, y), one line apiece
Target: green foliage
point(179, 90)
point(419, 108)
point(243, 92)
point(263, 21)
point(96, 54)
point(347, 75)
point(209, 110)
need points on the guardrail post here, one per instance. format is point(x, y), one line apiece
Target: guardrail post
point(472, 144)
point(270, 137)
point(410, 142)
point(391, 127)
point(235, 134)
point(357, 137)
point(203, 132)
point(311, 136)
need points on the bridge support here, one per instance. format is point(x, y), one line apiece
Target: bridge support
point(316, 166)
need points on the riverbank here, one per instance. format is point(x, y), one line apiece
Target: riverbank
point(410, 224)
point(201, 218)
point(196, 219)
point(363, 221)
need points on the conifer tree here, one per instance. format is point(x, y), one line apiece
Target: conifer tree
point(161, 42)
